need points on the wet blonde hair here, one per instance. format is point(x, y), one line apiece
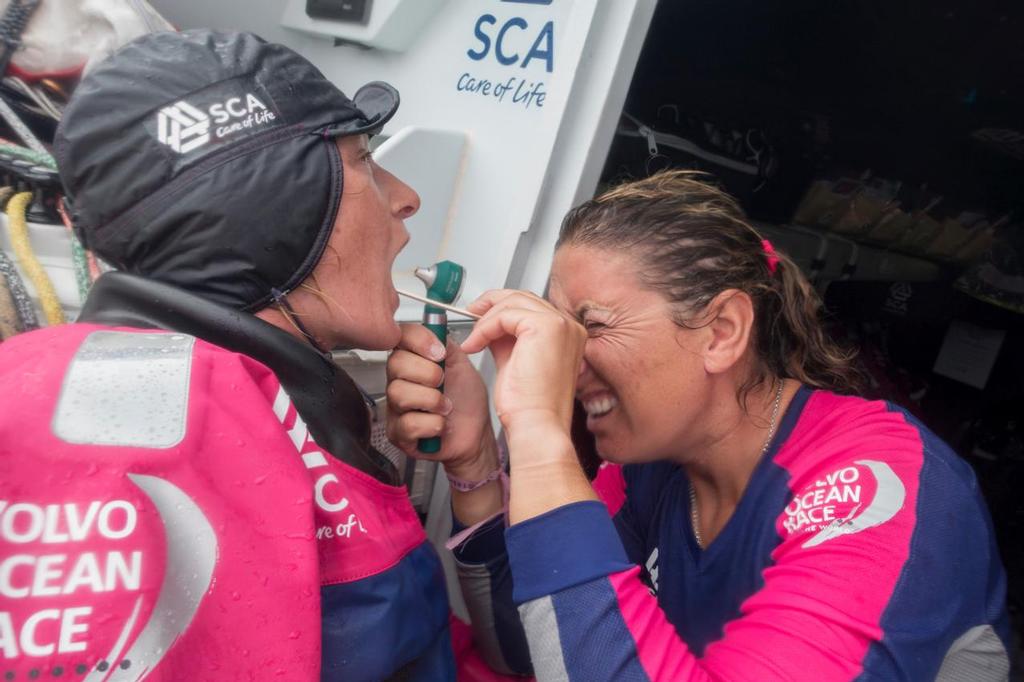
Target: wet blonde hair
point(694, 242)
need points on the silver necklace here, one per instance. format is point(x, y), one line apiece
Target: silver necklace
point(694, 514)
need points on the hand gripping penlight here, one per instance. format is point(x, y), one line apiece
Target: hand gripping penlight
point(444, 284)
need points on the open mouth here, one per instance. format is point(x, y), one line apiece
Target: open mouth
point(599, 406)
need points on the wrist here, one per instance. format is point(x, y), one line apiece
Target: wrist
point(541, 484)
point(531, 419)
point(478, 466)
point(479, 487)
point(537, 440)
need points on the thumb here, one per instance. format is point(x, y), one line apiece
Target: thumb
point(454, 355)
point(501, 351)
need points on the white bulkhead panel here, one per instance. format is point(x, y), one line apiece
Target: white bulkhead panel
point(508, 108)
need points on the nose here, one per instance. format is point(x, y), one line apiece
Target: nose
point(584, 368)
point(405, 202)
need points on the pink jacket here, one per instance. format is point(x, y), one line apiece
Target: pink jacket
point(165, 515)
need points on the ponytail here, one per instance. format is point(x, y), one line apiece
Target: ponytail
point(790, 337)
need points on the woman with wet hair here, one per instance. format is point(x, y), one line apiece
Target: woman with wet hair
point(754, 519)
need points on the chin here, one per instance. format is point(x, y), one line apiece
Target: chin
point(385, 337)
point(371, 332)
point(614, 457)
point(612, 452)
point(622, 453)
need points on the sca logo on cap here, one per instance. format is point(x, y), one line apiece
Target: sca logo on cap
point(184, 127)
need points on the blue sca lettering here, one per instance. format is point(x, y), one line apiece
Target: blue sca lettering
point(543, 47)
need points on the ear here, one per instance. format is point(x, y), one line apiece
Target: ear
point(729, 330)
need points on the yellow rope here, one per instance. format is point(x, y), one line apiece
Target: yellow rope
point(23, 249)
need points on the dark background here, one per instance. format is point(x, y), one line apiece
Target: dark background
point(896, 88)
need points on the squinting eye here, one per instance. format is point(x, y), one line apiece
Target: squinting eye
point(592, 326)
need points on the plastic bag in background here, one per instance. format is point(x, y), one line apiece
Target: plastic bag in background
point(999, 277)
point(743, 161)
point(65, 37)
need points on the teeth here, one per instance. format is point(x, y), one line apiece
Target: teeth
point(600, 406)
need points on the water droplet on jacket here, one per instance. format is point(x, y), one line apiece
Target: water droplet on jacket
point(294, 634)
point(235, 596)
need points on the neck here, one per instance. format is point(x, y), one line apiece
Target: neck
point(281, 320)
point(721, 463)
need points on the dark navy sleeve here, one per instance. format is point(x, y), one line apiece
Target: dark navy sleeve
point(486, 581)
point(486, 577)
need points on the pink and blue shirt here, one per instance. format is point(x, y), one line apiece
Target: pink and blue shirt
point(861, 549)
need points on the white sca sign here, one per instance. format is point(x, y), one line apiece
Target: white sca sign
point(518, 52)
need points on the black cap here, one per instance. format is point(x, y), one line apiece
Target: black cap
point(205, 159)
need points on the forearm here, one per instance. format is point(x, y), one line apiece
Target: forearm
point(545, 472)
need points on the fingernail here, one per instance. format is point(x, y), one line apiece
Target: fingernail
point(436, 352)
point(448, 406)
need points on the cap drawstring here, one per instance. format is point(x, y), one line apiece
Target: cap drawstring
point(282, 302)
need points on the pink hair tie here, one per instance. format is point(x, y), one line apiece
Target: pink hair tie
point(770, 255)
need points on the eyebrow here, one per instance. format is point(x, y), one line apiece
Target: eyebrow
point(586, 307)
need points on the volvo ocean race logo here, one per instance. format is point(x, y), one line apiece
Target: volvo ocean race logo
point(77, 580)
point(849, 500)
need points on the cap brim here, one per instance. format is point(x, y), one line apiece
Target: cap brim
point(378, 103)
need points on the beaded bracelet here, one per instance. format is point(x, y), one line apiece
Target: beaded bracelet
point(464, 486)
point(502, 478)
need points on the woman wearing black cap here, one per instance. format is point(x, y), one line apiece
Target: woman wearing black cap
point(187, 489)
